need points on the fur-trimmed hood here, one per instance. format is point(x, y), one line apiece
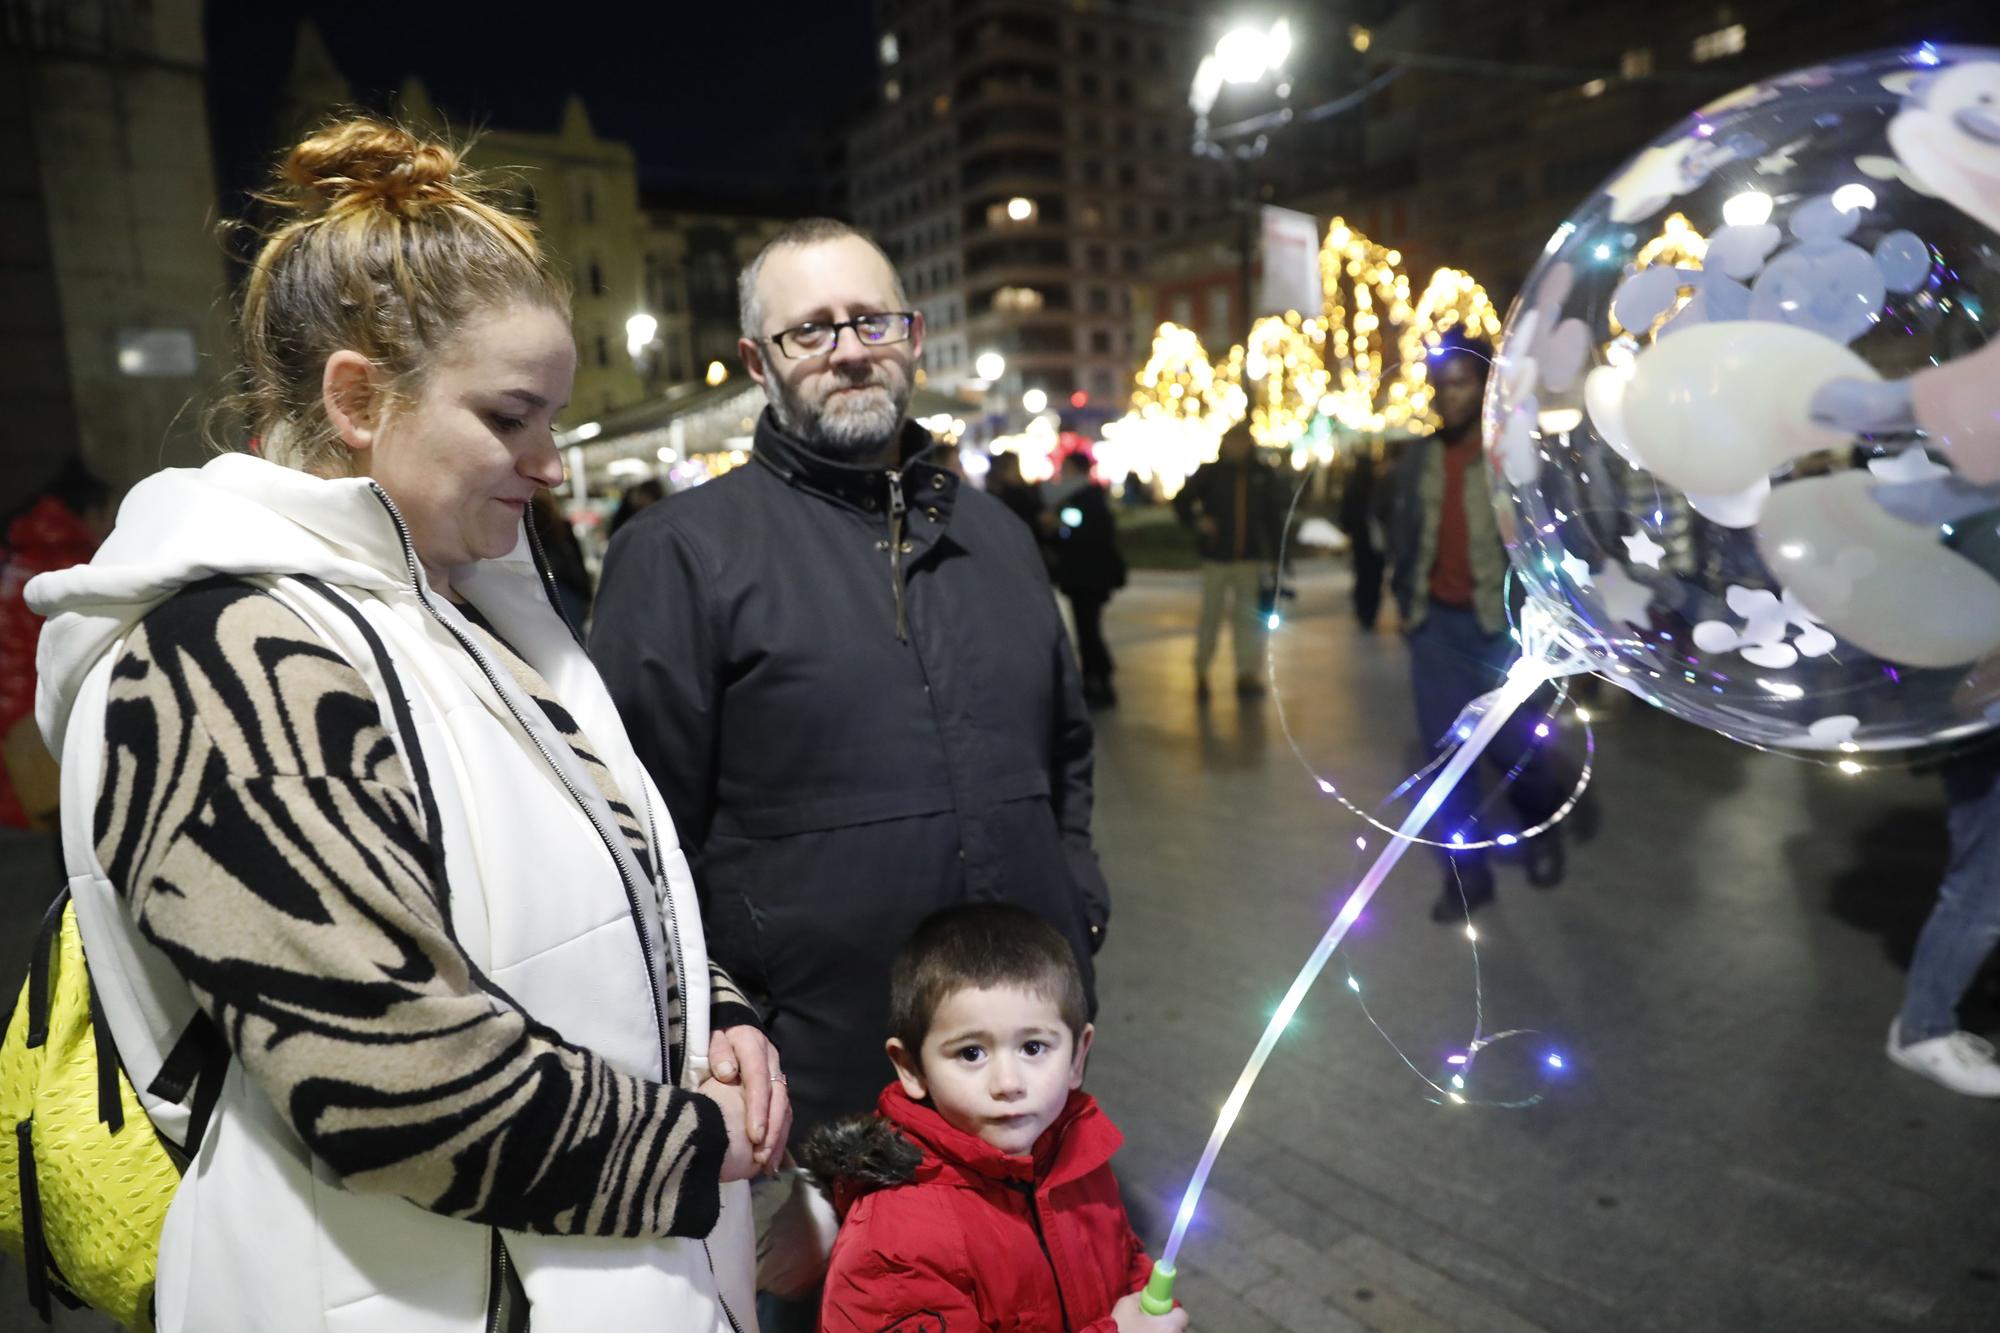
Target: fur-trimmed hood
point(907, 1142)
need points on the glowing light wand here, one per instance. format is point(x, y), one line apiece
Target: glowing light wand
point(1525, 677)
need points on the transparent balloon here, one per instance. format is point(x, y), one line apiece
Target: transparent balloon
point(1745, 417)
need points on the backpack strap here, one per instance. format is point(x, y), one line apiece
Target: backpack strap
point(38, 970)
point(110, 1106)
point(197, 1062)
point(35, 1254)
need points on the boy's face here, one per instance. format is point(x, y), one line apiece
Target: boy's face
point(998, 1063)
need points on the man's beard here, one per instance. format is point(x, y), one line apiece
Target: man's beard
point(846, 425)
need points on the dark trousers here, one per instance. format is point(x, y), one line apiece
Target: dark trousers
point(1368, 569)
point(1453, 662)
point(1093, 654)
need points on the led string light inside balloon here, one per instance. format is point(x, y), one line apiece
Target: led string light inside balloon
point(1527, 675)
point(1546, 655)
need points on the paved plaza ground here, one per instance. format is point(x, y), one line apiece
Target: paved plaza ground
point(1726, 1147)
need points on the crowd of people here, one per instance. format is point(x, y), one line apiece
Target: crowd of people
point(536, 951)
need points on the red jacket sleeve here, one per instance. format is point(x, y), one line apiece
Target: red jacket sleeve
point(1138, 1267)
point(899, 1267)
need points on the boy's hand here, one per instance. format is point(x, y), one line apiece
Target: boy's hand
point(1131, 1317)
point(740, 1162)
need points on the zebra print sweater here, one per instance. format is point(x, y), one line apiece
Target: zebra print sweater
point(263, 832)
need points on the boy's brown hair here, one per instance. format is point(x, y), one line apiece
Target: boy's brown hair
point(979, 946)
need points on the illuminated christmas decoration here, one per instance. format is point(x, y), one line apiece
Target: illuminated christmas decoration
point(1179, 382)
point(1376, 334)
point(1286, 371)
point(1678, 244)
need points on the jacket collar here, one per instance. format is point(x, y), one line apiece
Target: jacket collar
point(925, 483)
point(1081, 1140)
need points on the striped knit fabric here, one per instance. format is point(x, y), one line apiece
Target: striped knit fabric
point(263, 831)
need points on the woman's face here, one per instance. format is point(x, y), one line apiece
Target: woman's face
point(464, 460)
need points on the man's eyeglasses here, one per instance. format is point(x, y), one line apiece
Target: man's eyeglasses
point(881, 330)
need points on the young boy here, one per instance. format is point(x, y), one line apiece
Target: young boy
point(980, 1195)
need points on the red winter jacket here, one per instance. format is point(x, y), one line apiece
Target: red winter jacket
point(943, 1233)
point(47, 537)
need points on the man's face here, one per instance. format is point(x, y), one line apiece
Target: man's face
point(847, 402)
point(1461, 384)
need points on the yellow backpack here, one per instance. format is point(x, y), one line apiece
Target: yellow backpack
point(85, 1178)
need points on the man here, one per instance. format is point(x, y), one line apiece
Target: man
point(1088, 567)
point(1238, 515)
point(1449, 579)
point(848, 674)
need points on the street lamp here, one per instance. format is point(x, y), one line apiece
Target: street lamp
point(1243, 55)
point(990, 366)
point(1034, 401)
point(639, 331)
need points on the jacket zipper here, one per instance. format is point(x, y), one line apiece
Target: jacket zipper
point(1041, 1239)
point(896, 513)
point(631, 891)
point(498, 1314)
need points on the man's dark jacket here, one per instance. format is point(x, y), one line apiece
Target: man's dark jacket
point(833, 781)
point(1246, 502)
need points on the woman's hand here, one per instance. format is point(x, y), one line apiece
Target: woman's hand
point(738, 1162)
point(745, 1058)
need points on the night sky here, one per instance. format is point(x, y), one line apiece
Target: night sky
point(713, 98)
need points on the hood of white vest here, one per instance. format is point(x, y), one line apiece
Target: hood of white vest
point(239, 515)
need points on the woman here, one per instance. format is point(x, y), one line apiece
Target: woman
point(338, 776)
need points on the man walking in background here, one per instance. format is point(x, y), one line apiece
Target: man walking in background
point(1449, 578)
point(1238, 516)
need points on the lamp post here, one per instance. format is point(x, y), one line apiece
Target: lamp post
point(1242, 56)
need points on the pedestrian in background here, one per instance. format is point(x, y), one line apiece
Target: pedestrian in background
point(1005, 483)
point(60, 527)
point(1237, 512)
point(1358, 505)
point(848, 673)
point(567, 570)
point(1089, 567)
point(1449, 572)
point(1957, 938)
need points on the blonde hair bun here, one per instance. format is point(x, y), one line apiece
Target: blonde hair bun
point(363, 161)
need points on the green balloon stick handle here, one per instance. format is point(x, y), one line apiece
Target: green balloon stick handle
point(1158, 1298)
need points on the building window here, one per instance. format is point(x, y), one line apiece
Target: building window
point(1098, 301)
point(1087, 85)
point(1086, 42)
point(1722, 42)
point(1100, 342)
point(890, 49)
point(1183, 311)
point(1636, 63)
point(1091, 216)
point(1096, 257)
point(1121, 49)
point(596, 277)
point(1017, 298)
point(892, 90)
point(603, 351)
point(1121, 92)
point(1132, 261)
point(1163, 221)
point(1093, 171)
